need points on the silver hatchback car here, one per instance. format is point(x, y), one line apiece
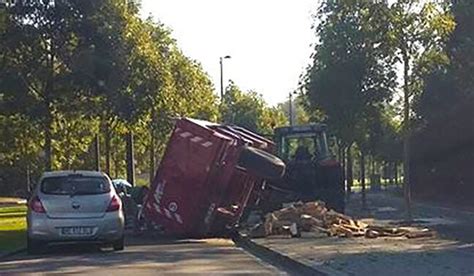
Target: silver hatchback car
point(74, 206)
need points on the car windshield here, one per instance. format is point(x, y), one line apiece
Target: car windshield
point(75, 185)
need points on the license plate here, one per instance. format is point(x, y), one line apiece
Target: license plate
point(76, 231)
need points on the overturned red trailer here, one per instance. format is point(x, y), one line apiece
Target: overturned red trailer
point(206, 177)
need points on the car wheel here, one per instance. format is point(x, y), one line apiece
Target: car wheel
point(118, 244)
point(34, 246)
point(261, 163)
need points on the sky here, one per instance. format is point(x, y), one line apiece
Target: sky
point(269, 41)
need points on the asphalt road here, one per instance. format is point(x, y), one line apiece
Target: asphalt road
point(142, 256)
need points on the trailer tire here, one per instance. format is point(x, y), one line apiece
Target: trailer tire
point(261, 163)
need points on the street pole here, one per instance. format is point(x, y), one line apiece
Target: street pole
point(221, 63)
point(222, 78)
point(291, 109)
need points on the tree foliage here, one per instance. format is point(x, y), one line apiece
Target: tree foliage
point(351, 76)
point(249, 110)
point(73, 69)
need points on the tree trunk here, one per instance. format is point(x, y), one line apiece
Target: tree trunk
point(49, 87)
point(116, 166)
point(395, 173)
point(343, 164)
point(48, 152)
point(362, 180)
point(350, 176)
point(339, 152)
point(97, 152)
point(391, 172)
point(372, 165)
point(107, 148)
point(406, 136)
point(406, 178)
point(28, 178)
point(130, 159)
point(152, 156)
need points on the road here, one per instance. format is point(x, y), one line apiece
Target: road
point(141, 257)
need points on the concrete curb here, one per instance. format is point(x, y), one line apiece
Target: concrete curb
point(12, 253)
point(275, 258)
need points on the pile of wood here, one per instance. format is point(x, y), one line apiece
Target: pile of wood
point(315, 217)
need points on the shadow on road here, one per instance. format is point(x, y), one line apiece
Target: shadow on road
point(141, 253)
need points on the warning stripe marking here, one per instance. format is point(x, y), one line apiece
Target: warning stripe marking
point(207, 144)
point(185, 134)
point(163, 211)
point(167, 213)
point(196, 139)
point(157, 208)
point(178, 218)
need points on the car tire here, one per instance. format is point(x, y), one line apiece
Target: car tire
point(261, 163)
point(34, 246)
point(118, 244)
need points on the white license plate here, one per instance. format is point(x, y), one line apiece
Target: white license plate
point(76, 231)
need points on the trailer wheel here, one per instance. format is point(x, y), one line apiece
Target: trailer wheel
point(261, 163)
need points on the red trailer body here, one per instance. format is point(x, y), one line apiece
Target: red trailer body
point(199, 190)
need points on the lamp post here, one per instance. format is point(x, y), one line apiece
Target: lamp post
point(290, 107)
point(221, 59)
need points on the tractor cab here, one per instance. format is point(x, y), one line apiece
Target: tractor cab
point(302, 142)
point(312, 171)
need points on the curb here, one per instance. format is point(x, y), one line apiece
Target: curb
point(275, 258)
point(12, 253)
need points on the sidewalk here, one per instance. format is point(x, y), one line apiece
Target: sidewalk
point(451, 253)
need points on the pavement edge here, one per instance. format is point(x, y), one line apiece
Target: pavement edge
point(275, 258)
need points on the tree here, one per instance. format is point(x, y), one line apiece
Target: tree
point(351, 48)
point(249, 110)
point(186, 91)
point(417, 31)
point(461, 45)
point(300, 115)
point(35, 43)
point(447, 81)
point(271, 118)
point(123, 65)
point(72, 69)
point(19, 152)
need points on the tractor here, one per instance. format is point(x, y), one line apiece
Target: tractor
point(312, 172)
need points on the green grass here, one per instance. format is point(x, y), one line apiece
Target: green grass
point(12, 227)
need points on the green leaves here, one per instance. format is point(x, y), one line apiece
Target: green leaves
point(249, 110)
point(79, 68)
point(353, 78)
point(352, 71)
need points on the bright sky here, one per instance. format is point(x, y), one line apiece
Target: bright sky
point(269, 40)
